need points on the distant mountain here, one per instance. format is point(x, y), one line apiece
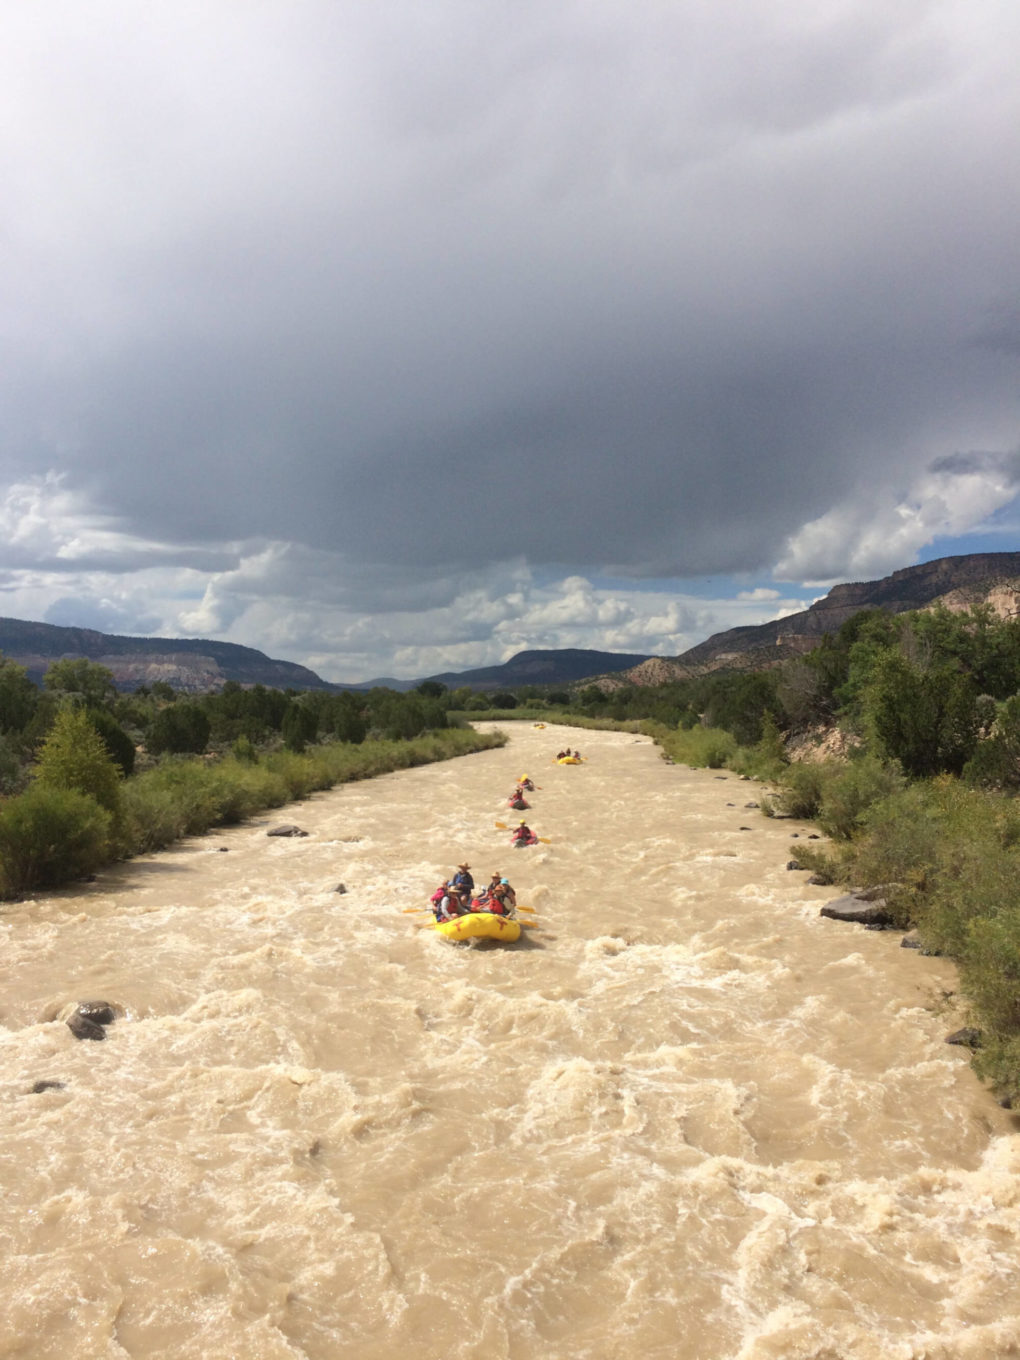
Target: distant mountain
point(198, 665)
point(190, 664)
point(957, 582)
point(565, 666)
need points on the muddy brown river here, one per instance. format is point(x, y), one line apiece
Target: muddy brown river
point(684, 1118)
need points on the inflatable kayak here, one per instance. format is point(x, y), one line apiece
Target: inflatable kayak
point(479, 925)
point(518, 804)
point(568, 760)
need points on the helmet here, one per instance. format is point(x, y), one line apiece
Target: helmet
point(506, 881)
point(522, 822)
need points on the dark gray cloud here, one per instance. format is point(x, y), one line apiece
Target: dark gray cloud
point(662, 291)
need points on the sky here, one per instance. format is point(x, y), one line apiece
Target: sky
point(394, 338)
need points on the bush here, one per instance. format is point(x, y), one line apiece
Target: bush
point(700, 747)
point(804, 787)
point(49, 836)
point(848, 794)
point(244, 751)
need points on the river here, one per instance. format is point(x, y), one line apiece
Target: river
point(684, 1118)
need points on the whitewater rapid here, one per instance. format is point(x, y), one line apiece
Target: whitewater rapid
point(686, 1117)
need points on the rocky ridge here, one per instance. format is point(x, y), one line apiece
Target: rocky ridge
point(959, 583)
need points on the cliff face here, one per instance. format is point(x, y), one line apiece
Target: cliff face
point(957, 582)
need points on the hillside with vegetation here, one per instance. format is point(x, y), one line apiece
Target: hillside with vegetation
point(957, 583)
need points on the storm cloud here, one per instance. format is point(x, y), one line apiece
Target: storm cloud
point(393, 337)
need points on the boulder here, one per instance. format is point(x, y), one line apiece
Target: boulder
point(793, 864)
point(40, 1086)
point(968, 1037)
point(855, 907)
point(99, 1011)
point(751, 805)
point(286, 831)
point(84, 1028)
point(341, 888)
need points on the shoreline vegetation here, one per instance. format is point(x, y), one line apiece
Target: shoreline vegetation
point(53, 833)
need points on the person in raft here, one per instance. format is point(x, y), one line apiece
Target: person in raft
point(503, 899)
point(490, 887)
point(445, 903)
point(523, 835)
point(462, 882)
point(526, 783)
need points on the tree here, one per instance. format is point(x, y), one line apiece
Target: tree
point(73, 756)
point(299, 727)
point(91, 683)
point(431, 689)
point(119, 746)
point(18, 696)
point(926, 719)
point(181, 729)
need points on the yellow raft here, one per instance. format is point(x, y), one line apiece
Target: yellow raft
point(479, 925)
point(568, 760)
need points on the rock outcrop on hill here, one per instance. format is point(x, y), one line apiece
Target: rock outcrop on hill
point(956, 582)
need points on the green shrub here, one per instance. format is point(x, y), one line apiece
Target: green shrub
point(803, 788)
point(847, 794)
point(49, 836)
point(700, 747)
point(244, 750)
point(825, 862)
